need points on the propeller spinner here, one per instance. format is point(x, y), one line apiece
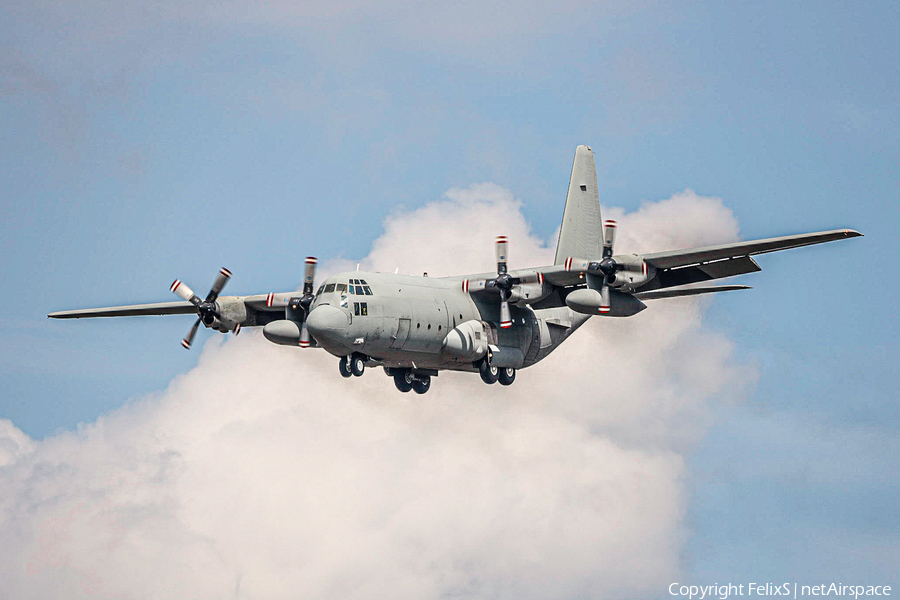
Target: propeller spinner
point(207, 310)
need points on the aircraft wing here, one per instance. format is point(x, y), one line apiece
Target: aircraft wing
point(706, 254)
point(134, 310)
point(260, 303)
point(688, 292)
point(693, 265)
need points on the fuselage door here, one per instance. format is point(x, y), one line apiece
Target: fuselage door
point(402, 333)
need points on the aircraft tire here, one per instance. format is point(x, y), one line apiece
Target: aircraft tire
point(507, 376)
point(400, 380)
point(488, 373)
point(420, 386)
point(357, 365)
point(344, 366)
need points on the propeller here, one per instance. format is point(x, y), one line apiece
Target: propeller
point(503, 281)
point(307, 298)
point(608, 266)
point(206, 309)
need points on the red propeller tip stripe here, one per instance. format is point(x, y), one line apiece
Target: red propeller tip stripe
point(610, 224)
point(604, 309)
point(304, 344)
point(186, 344)
point(506, 324)
point(225, 272)
point(270, 300)
point(311, 260)
point(174, 285)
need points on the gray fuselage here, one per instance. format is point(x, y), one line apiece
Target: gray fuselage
point(405, 321)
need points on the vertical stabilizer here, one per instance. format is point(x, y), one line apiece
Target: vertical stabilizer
point(581, 234)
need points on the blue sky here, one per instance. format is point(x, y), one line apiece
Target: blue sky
point(144, 143)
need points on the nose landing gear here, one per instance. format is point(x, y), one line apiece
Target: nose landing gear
point(355, 365)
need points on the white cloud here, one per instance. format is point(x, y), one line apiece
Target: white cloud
point(262, 473)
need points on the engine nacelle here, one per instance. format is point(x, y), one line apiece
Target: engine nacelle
point(634, 274)
point(232, 312)
point(587, 302)
point(529, 293)
point(467, 341)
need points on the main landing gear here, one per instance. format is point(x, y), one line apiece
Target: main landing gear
point(406, 380)
point(491, 374)
point(355, 365)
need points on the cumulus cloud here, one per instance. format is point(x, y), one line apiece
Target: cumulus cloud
point(262, 473)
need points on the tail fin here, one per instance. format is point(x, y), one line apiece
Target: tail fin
point(581, 233)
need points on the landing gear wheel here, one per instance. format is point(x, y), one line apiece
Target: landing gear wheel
point(507, 376)
point(488, 373)
point(402, 380)
point(357, 365)
point(420, 386)
point(344, 366)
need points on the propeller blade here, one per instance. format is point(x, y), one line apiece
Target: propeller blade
point(505, 319)
point(609, 238)
point(221, 279)
point(189, 338)
point(310, 276)
point(604, 298)
point(181, 290)
point(501, 248)
point(304, 336)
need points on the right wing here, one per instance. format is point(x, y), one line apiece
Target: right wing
point(134, 310)
point(258, 303)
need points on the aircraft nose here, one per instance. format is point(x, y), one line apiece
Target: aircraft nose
point(328, 323)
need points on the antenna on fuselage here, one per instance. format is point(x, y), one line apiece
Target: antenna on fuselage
point(397, 270)
point(357, 266)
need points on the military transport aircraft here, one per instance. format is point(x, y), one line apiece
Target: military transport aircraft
point(490, 323)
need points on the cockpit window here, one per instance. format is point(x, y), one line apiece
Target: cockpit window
point(340, 288)
point(329, 288)
point(321, 287)
point(368, 290)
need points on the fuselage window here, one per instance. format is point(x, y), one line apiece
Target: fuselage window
point(329, 288)
point(361, 309)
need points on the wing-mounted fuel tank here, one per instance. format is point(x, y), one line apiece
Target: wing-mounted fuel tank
point(468, 341)
point(590, 302)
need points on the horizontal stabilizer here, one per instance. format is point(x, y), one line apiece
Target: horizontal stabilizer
point(134, 310)
point(688, 292)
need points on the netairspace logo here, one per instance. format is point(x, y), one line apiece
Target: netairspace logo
point(786, 589)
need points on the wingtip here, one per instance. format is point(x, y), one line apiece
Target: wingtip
point(852, 233)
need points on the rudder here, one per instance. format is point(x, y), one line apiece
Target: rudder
point(581, 232)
